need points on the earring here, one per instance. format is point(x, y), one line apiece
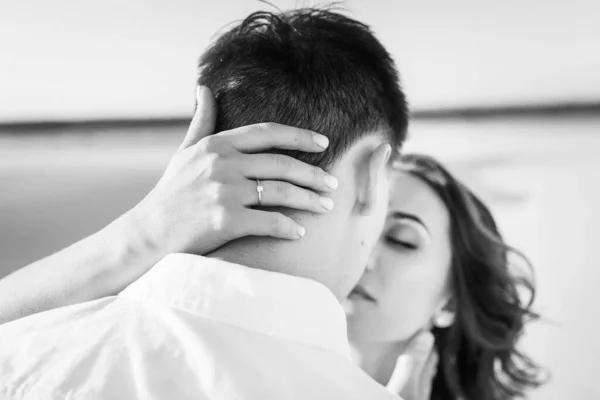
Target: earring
point(443, 319)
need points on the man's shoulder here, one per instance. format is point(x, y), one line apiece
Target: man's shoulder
point(59, 348)
point(117, 347)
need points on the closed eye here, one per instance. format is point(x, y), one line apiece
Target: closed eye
point(395, 242)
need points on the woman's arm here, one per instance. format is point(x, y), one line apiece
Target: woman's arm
point(203, 200)
point(99, 265)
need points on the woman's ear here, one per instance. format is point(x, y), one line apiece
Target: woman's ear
point(446, 313)
point(373, 181)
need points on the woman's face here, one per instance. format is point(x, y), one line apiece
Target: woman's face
point(407, 279)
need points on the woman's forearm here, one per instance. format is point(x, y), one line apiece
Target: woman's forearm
point(97, 266)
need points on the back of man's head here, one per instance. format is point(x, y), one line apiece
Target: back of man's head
point(308, 68)
point(322, 71)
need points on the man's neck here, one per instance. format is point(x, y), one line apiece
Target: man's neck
point(273, 255)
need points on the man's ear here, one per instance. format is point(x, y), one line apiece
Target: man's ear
point(372, 180)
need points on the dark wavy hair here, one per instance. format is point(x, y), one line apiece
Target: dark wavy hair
point(479, 359)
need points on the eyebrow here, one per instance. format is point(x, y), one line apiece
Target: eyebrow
point(403, 215)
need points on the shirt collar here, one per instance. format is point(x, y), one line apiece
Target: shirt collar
point(273, 303)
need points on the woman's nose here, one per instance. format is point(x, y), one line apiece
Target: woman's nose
point(373, 260)
point(371, 263)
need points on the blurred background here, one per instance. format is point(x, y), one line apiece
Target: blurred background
point(95, 96)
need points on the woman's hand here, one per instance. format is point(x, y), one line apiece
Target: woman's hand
point(203, 200)
point(205, 196)
point(415, 369)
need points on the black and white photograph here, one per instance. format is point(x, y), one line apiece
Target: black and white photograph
point(295, 199)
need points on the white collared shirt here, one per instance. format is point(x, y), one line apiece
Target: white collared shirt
point(191, 328)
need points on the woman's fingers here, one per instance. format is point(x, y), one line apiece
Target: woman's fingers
point(283, 194)
point(227, 161)
point(205, 116)
point(427, 375)
point(285, 168)
point(261, 137)
point(407, 379)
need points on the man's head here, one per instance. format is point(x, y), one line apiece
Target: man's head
point(321, 71)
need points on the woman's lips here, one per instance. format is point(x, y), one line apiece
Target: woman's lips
point(361, 292)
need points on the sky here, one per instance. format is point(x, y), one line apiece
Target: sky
point(70, 59)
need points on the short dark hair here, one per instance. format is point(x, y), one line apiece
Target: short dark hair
point(309, 68)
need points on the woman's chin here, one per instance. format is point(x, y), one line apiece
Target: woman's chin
point(363, 329)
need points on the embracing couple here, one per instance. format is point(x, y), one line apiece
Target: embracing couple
point(288, 252)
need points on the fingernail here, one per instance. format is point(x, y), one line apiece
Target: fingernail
point(327, 203)
point(331, 181)
point(301, 231)
point(321, 140)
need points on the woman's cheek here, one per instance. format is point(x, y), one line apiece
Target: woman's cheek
point(411, 306)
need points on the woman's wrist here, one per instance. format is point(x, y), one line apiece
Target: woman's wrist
point(125, 253)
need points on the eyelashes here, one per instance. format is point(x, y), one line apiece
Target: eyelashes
point(399, 243)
